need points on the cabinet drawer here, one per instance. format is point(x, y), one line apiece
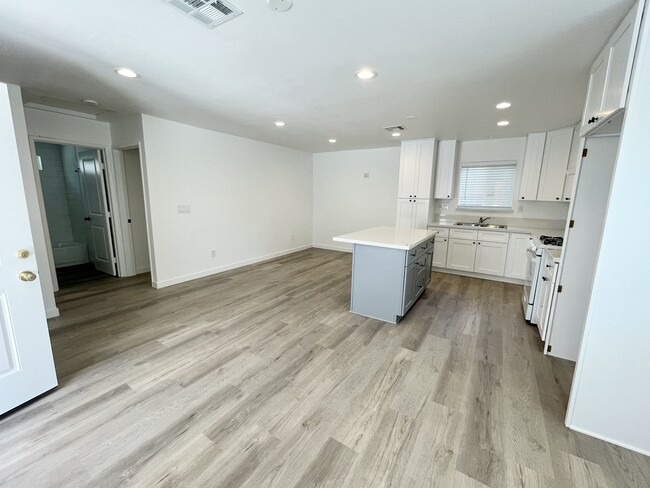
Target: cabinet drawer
point(463, 234)
point(488, 236)
point(442, 231)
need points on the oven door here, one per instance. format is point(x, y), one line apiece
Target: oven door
point(532, 270)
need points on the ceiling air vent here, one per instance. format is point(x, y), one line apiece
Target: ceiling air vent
point(210, 13)
point(395, 128)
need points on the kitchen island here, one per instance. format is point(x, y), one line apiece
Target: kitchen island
point(391, 267)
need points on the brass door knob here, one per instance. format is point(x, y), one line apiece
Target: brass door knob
point(22, 254)
point(27, 276)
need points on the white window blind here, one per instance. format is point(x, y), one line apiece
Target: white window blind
point(487, 184)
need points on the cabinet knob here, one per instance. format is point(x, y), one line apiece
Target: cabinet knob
point(557, 198)
point(522, 198)
point(448, 196)
point(544, 278)
point(567, 198)
point(473, 242)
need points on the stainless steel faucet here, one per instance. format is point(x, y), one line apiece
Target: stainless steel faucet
point(483, 219)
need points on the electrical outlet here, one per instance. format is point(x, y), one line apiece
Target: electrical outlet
point(184, 209)
point(213, 253)
point(444, 206)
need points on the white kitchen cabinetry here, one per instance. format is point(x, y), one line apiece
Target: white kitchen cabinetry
point(516, 260)
point(574, 156)
point(545, 164)
point(416, 169)
point(445, 169)
point(609, 77)
point(532, 166)
point(412, 214)
point(440, 253)
point(461, 254)
point(490, 258)
point(554, 164)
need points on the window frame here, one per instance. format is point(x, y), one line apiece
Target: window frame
point(483, 164)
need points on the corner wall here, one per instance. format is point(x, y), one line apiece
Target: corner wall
point(345, 201)
point(249, 200)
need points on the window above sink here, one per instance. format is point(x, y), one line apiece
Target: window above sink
point(487, 185)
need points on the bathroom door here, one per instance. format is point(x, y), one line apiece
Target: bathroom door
point(26, 365)
point(93, 189)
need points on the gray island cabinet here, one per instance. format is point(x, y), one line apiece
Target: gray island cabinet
point(391, 267)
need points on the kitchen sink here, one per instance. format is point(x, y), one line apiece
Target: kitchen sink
point(484, 226)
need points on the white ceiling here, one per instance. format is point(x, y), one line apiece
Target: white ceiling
point(446, 62)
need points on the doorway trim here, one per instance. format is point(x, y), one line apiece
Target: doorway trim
point(113, 197)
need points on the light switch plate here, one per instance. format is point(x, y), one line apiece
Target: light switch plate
point(444, 206)
point(184, 209)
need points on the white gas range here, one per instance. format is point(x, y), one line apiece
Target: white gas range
point(534, 273)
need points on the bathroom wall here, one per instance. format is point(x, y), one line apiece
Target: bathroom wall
point(73, 187)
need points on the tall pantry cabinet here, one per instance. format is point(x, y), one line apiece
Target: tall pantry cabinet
point(414, 193)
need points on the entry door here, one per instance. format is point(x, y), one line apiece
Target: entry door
point(97, 218)
point(26, 364)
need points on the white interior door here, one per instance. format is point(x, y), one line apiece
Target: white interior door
point(26, 364)
point(93, 188)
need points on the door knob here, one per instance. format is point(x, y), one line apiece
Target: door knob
point(22, 254)
point(27, 276)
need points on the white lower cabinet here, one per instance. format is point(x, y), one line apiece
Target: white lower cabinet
point(440, 253)
point(461, 254)
point(490, 258)
point(516, 260)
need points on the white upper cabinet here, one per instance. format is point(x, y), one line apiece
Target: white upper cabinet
point(610, 74)
point(416, 169)
point(412, 213)
point(554, 164)
point(445, 169)
point(532, 166)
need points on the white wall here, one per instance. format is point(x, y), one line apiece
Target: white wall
point(610, 395)
point(126, 130)
point(43, 124)
point(249, 200)
point(345, 201)
point(507, 149)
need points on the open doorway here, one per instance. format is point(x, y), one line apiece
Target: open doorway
point(73, 184)
point(136, 210)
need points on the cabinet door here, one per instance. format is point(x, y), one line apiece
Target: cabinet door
point(420, 214)
point(516, 259)
point(439, 259)
point(569, 181)
point(404, 213)
point(554, 164)
point(408, 162)
point(576, 150)
point(460, 254)
point(445, 168)
point(423, 182)
point(491, 258)
point(532, 166)
point(410, 273)
point(429, 264)
point(596, 90)
point(621, 56)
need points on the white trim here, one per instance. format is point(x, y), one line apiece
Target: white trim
point(50, 313)
point(608, 439)
point(126, 265)
point(227, 267)
point(332, 248)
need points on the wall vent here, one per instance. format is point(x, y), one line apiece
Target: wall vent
point(209, 13)
point(395, 128)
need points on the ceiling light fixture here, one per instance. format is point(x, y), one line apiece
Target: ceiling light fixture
point(332, 141)
point(365, 74)
point(503, 123)
point(279, 123)
point(91, 102)
point(279, 5)
point(396, 134)
point(127, 72)
point(504, 105)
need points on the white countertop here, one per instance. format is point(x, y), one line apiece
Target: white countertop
point(390, 237)
point(519, 229)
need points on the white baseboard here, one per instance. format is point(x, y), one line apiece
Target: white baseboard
point(502, 279)
point(50, 313)
point(611, 441)
point(227, 267)
point(331, 248)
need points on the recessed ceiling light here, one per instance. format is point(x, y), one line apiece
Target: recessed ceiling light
point(91, 102)
point(504, 105)
point(365, 74)
point(127, 73)
point(279, 5)
point(396, 134)
point(411, 117)
point(503, 123)
point(279, 123)
point(332, 141)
